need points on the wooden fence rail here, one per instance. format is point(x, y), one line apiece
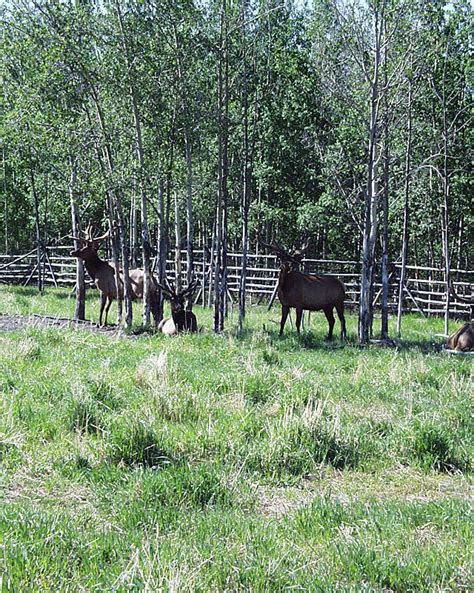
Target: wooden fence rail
point(424, 289)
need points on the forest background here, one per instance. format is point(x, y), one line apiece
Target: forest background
point(218, 123)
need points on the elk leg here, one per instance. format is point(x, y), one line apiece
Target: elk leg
point(299, 315)
point(330, 317)
point(284, 315)
point(340, 314)
point(154, 309)
point(109, 302)
point(103, 299)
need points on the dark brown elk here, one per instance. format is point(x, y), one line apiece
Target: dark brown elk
point(306, 292)
point(181, 320)
point(103, 275)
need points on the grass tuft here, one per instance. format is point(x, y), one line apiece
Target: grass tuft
point(435, 446)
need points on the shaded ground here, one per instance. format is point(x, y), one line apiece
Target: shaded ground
point(19, 322)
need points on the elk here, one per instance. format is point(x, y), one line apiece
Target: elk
point(308, 292)
point(463, 339)
point(103, 274)
point(180, 320)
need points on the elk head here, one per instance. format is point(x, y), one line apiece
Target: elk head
point(90, 244)
point(177, 299)
point(289, 260)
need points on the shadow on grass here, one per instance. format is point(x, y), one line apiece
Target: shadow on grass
point(310, 340)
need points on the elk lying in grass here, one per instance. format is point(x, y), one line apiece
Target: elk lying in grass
point(463, 339)
point(180, 320)
point(306, 291)
point(103, 275)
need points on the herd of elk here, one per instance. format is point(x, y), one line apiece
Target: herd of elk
point(303, 292)
point(181, 319)
point(306, 292)
point(103, 275)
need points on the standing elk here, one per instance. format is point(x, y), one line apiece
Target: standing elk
point(103, 275)
point(308, 292)
point(181, 319)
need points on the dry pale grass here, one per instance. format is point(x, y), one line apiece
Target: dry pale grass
point(153, 372)
point(401, 484)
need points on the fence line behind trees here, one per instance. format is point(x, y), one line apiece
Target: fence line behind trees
point(424, 287)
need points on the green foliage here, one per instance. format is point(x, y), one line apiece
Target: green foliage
point(305, 75)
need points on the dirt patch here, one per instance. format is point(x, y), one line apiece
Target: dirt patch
point(20, 322)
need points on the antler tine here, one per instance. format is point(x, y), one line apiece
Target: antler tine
point(102, 237)
point(306, 243)
point(88, 232)
point(191, 287)
point(274, 247)
point(164, 289)
point(170, 286)
point(80, 239)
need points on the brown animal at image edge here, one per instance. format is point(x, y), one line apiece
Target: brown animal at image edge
point(308, 292)
point(463, 339)
point(103, 275)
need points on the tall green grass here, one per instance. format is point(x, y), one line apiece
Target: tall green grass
point(234, 462)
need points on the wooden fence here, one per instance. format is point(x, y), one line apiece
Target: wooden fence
point(424, 289)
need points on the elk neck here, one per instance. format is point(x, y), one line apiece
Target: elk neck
point(285, 275)
point(93, 264)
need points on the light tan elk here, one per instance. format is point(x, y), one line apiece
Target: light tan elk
point(308, 292)
point(180, 320)
point(103, 275)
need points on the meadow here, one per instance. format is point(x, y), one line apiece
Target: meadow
point(231, 462)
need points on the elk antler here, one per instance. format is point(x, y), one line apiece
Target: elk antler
point(305, 245)
point(459, 298)
point(106, 235)
point(191, 288)
point(164, 289)
point(273, 247)
point(167, 288)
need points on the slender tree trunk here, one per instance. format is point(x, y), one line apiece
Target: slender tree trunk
point(445, 242)
point(80, 308)
point(386, 173)
point(162, 245)
point(406, 211)
point(189, 168)
point(146, 249)
point(220, 281)
point(115, 195)
point(133, 232)
point(39, 250)
point(189, 211)
point(459, 245)
point(371, 200)
point(212, 267)
point(245, 179)
point(5, 198)
point(177, 252)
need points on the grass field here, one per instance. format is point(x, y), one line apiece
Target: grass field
point(227, 463)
